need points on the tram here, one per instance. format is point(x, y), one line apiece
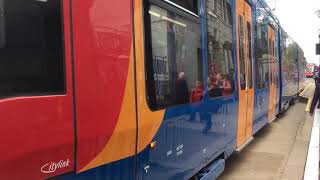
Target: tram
point(311, 70)
point(143, 89)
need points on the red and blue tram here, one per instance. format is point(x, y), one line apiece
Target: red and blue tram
point(143, 89)
point(311, 70)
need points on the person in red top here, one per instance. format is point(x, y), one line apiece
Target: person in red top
point(196, 93)
point(195, 98)
point(227, 88)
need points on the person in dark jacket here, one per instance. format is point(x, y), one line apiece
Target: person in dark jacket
point(182, 92)
point(316, 98)
point(317, 74)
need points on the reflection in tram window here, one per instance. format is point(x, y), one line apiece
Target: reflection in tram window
point(175, 64)
point(272, 53)
point(249, 48)
point(220, 48)
point(271, 60)
point(243, 83)
point(261, 48)
point(290, 51)
point(276, 48)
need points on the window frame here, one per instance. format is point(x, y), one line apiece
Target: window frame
point(148, 62)
point(64, 89)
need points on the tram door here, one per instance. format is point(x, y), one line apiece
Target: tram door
point(272, 74)
point(245, 72)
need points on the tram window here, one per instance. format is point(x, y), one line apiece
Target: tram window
point(220, 50)
point(174, 66)
point(249, 39)
point(31, 51)
point(261, 48)
point(243, 83)
point(191, 5)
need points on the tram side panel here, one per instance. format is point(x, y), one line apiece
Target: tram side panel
point(104, 89)
point(188, 131)
point(186, 93)
point(37, 127)
point(290, 76)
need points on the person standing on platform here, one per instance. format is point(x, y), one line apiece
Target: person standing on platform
point(316, 97)
point(317, 74)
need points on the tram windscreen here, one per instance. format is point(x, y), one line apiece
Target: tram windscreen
point(31, 53)
point(310, 68)
point(2, 24)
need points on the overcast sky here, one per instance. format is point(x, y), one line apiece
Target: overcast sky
point(301, 23)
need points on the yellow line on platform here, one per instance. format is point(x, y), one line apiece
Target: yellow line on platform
point(308, 105)
point(305, 89)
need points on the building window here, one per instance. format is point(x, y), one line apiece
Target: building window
point(220, 51)
point(31, 48)
point(174, 58)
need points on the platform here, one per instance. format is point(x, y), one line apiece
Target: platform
point(282, 150)
point(312, 164)
point(278, 152)
point(308, 91)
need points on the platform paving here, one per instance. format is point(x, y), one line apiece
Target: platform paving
point(312, 165)
point(278, 152)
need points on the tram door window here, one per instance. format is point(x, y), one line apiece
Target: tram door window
point(174, 66)
point(274, 62)
point(249, 48)
point(243, 82)
point(31, 48)
point(271, 63)
point(220, 49)
point(276, 57)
